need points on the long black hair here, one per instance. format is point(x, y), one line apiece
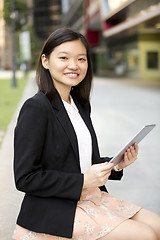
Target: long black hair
point(45, 83)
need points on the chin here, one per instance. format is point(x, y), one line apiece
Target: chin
point(74, 83)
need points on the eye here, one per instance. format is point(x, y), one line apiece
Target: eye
point(82, 59)
point(63, 58)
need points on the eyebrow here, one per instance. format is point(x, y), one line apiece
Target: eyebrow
point(80, 54)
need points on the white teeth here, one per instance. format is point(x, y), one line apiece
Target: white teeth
point(71, 74)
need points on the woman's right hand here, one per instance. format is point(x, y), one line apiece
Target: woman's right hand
point(97, 175)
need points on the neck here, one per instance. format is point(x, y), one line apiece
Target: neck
point(64, 91)
point(66, 99)
point(65, 94)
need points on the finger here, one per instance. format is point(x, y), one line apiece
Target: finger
point(105, 178)
point(108, 174)
point(102, 174)
point(129, 154)
point(102, 178)
point(133, 152)
point(125, 156)
point(136, 147)
point(103, 171)
point(106, 166)
point(133, 155)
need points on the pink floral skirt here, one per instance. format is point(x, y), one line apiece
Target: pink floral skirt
point(97, 214)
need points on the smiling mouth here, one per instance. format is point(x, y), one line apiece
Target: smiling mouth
point(71, 74)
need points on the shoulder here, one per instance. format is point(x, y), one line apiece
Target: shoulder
point(39, 100)
point(36, 105)
point(33, 117)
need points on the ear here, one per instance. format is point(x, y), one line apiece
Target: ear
point(44, 61)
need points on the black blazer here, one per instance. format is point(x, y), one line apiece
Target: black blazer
point(47, 167)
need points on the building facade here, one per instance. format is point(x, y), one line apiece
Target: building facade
point(73, 14)
point(132, 33)
point(46, 17)
point(124, 35)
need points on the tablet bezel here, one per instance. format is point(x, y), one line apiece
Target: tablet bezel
point(137, 138)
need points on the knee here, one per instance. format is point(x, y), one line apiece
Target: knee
point(148, 234)
point(156, 225)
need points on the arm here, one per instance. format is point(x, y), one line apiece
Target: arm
point(30, 174)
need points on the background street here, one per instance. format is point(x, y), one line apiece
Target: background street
point(119, 110)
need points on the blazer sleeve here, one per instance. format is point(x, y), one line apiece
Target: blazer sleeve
point(30, 175)
point(115, 175)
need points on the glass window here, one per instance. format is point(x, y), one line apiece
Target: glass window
point(152, 60)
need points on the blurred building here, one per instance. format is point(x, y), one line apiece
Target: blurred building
point(124, 34)
point(46, 17)
point(73, 14)
point(132, 32)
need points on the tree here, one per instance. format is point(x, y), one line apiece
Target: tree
point(21, 16)
point(21, 13)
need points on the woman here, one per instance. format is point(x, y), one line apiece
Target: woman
point(57, 162)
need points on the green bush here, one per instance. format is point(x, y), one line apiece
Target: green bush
point(9, 98)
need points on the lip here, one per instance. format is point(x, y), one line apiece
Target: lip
point(71, 74)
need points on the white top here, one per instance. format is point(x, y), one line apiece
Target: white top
point(83, 135)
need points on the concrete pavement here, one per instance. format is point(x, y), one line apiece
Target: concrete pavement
point(139, 184)
point(8, 74)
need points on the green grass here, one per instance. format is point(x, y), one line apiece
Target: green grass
point(9, 99)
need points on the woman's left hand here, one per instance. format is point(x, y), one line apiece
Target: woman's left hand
point(129, 157)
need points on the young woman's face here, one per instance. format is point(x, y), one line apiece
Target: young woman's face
point(67, 64)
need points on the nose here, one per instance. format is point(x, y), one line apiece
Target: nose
point(72, 65)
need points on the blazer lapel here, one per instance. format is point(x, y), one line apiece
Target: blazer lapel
point(85, 114)
point(64, 120)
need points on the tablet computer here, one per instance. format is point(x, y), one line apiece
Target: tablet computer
point(136, 139)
